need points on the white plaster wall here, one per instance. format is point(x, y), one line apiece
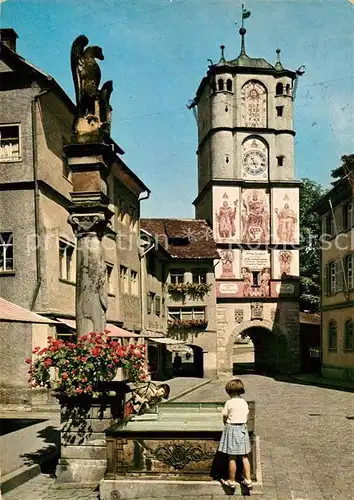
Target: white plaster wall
point(222, 150)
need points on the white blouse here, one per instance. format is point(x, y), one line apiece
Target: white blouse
point(236, 410)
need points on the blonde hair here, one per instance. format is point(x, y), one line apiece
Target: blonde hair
point(235, 387)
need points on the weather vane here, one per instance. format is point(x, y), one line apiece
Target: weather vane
point(245, 14)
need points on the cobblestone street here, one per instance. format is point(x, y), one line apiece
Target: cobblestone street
point(306, 437)
point(306, 443)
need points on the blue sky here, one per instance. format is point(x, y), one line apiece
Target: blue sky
point(156, 53)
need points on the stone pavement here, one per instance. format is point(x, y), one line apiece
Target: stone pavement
point(306, 443)
point(306, 437)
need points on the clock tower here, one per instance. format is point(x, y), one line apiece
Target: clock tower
point(248, 194)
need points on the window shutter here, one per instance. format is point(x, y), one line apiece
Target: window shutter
point(339, 277)
point(326, 281)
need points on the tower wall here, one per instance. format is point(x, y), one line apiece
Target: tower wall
point(246, 148)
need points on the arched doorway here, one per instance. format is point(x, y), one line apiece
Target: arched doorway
point(191, 362)
point(270, 348)
point(243, 354)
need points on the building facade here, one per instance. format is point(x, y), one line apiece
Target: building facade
point(182, 293)
point(248, 194)
point(337, 277)
point(37, 244)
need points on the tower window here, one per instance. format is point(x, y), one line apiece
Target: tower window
point(256, 278)
point(280, 160)
point(279, 89)
point(280, 110)
point(229, 85)
point(288, 88)
point(221, 84)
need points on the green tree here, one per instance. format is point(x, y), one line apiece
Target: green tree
point(310, 231)
point(345, 169)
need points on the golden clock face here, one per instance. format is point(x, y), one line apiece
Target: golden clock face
point(254, 162)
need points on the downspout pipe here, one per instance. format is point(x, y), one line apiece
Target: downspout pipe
point(144, 196)
point(36, 197)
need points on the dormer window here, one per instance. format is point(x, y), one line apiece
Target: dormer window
point(221, 84)
point(229, 85)
point(279, 89)
point(179, 241)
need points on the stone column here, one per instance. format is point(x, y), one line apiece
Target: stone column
point(89, 216)
point(91, 289)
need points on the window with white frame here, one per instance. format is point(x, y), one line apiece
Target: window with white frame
point(350, 271)
point(66, 253)
point(184, 313)
point(109, 278)
point(10, 143)
point(6, 252)
point(176, 276)
point(349, 335)
point(133, 282)
point(199, 275)
point(332, 277)
point(124, 283)
point(151, 303)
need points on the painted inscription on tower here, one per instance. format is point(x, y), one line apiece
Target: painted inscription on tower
point(255, 216)
point(254, 104)
point(285, 215)
point(225, 203)
point(254, 159)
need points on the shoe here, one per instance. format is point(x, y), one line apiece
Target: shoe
point(248, 483)
point(227, 482)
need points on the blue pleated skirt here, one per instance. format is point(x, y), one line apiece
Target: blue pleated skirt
point(235, 440)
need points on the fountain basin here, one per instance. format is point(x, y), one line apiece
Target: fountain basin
point(179, 443)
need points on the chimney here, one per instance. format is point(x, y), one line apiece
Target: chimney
point(8, 37)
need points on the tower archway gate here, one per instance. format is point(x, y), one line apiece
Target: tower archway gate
point(275, 351)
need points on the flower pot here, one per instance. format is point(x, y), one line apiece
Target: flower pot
point(121, 375)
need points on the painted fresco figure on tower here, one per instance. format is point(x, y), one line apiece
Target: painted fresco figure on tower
point(227, 257)
point(286, 224)
point(247, 281)
point(285, 259)
point(265, 280)
point(226, 219)
point(255, 219)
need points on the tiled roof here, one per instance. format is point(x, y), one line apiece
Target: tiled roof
point(12, 312)
point(183, 238)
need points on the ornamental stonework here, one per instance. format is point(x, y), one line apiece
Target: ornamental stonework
point(256, 310)
point(239, 315)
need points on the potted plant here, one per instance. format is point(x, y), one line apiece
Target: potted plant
point(195, 291)
point(78, 367)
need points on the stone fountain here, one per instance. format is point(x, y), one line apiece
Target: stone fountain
point(172, 447)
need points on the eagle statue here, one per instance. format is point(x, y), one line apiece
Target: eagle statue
point(87, 76)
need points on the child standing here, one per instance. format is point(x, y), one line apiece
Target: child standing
point(235, 440)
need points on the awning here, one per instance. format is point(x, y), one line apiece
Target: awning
point(166, 341)
point(152, 335)
point(12, 312)
point(116, 331)
point(71, 323)
point(113, 330)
